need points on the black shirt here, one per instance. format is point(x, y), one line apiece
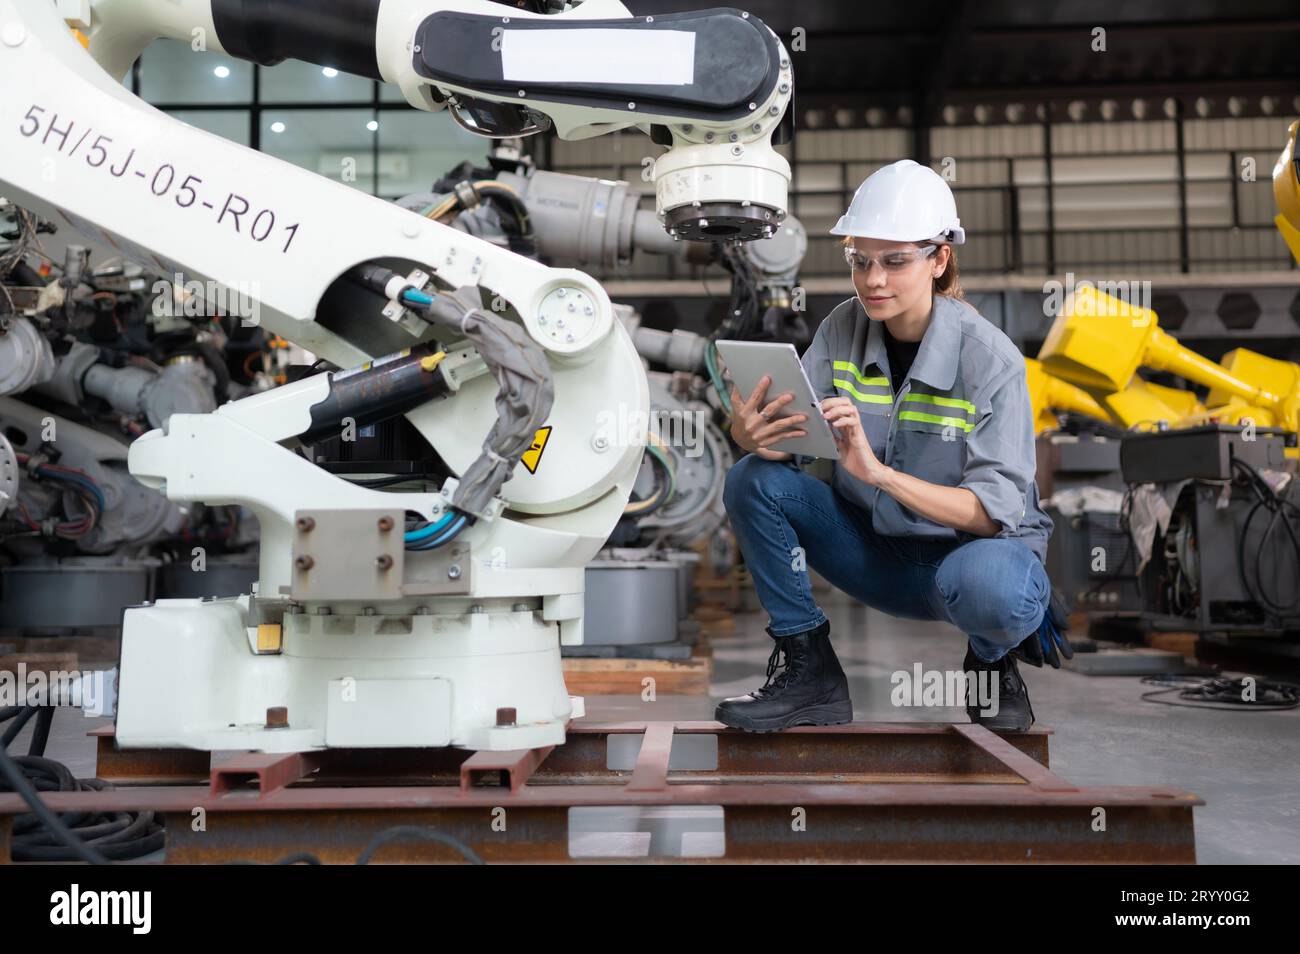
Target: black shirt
point(901, 355)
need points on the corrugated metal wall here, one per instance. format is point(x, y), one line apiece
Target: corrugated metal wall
point(1117, 199)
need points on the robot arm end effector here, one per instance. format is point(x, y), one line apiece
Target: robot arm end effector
point(715, 87)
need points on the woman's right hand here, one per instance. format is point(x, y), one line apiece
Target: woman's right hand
point(752, 427)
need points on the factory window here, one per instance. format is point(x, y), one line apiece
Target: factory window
point(335, 143)
point(171, 72)
point(296, 82)
point(419, 148)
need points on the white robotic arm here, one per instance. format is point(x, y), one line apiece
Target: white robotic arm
point(78, 149)
point(281, 237)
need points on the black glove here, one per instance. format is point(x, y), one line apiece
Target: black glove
point(1043, 644)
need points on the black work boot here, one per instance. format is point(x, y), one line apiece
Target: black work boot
point(809, 689)
point(1014, 713)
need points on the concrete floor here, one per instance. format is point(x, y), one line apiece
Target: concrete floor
point(1245, 765)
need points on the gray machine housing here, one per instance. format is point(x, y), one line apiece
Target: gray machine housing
point(1213, 514)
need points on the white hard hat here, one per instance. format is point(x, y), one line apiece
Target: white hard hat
point(903, 202)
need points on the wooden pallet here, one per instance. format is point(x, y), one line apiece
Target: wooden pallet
point(1183, 643)
point(620, 677)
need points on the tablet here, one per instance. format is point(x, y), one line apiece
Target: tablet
point(748, 361)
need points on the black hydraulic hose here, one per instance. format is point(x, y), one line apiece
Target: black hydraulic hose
point(41, 732)
point(377, 391)
point(16, 726)
point(12, 774)
point(85, 835)
point(215, 363)
point(1276, 505)
point(337, 33)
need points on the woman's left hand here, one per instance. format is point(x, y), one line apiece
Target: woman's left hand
point(856, 455)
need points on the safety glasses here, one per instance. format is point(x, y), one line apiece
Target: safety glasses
point(893, 260)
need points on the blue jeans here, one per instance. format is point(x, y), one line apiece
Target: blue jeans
point(994, 590)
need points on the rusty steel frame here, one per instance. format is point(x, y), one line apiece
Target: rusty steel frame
point(865, 792)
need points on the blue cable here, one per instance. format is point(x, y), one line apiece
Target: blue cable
point(446, 536)
point(424, 533)
point(443, 538)
point(83, 482)
point(419, 297)
point(430, 529)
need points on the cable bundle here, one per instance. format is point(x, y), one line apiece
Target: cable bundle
point(666, 485)
point(10, 257)
point(1223, 693)
point(75, 481)
point(745, 308)
point(1282, 511)
point(428, 535)
point(73, 836)
point(715, 376)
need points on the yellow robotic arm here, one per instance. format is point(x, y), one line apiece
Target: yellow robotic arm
point(1098, 342)
point(1286, 192)
point(1049, 394)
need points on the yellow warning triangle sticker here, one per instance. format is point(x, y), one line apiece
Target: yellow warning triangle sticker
point(533, 456)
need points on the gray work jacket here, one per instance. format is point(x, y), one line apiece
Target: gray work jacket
point(962, 418)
